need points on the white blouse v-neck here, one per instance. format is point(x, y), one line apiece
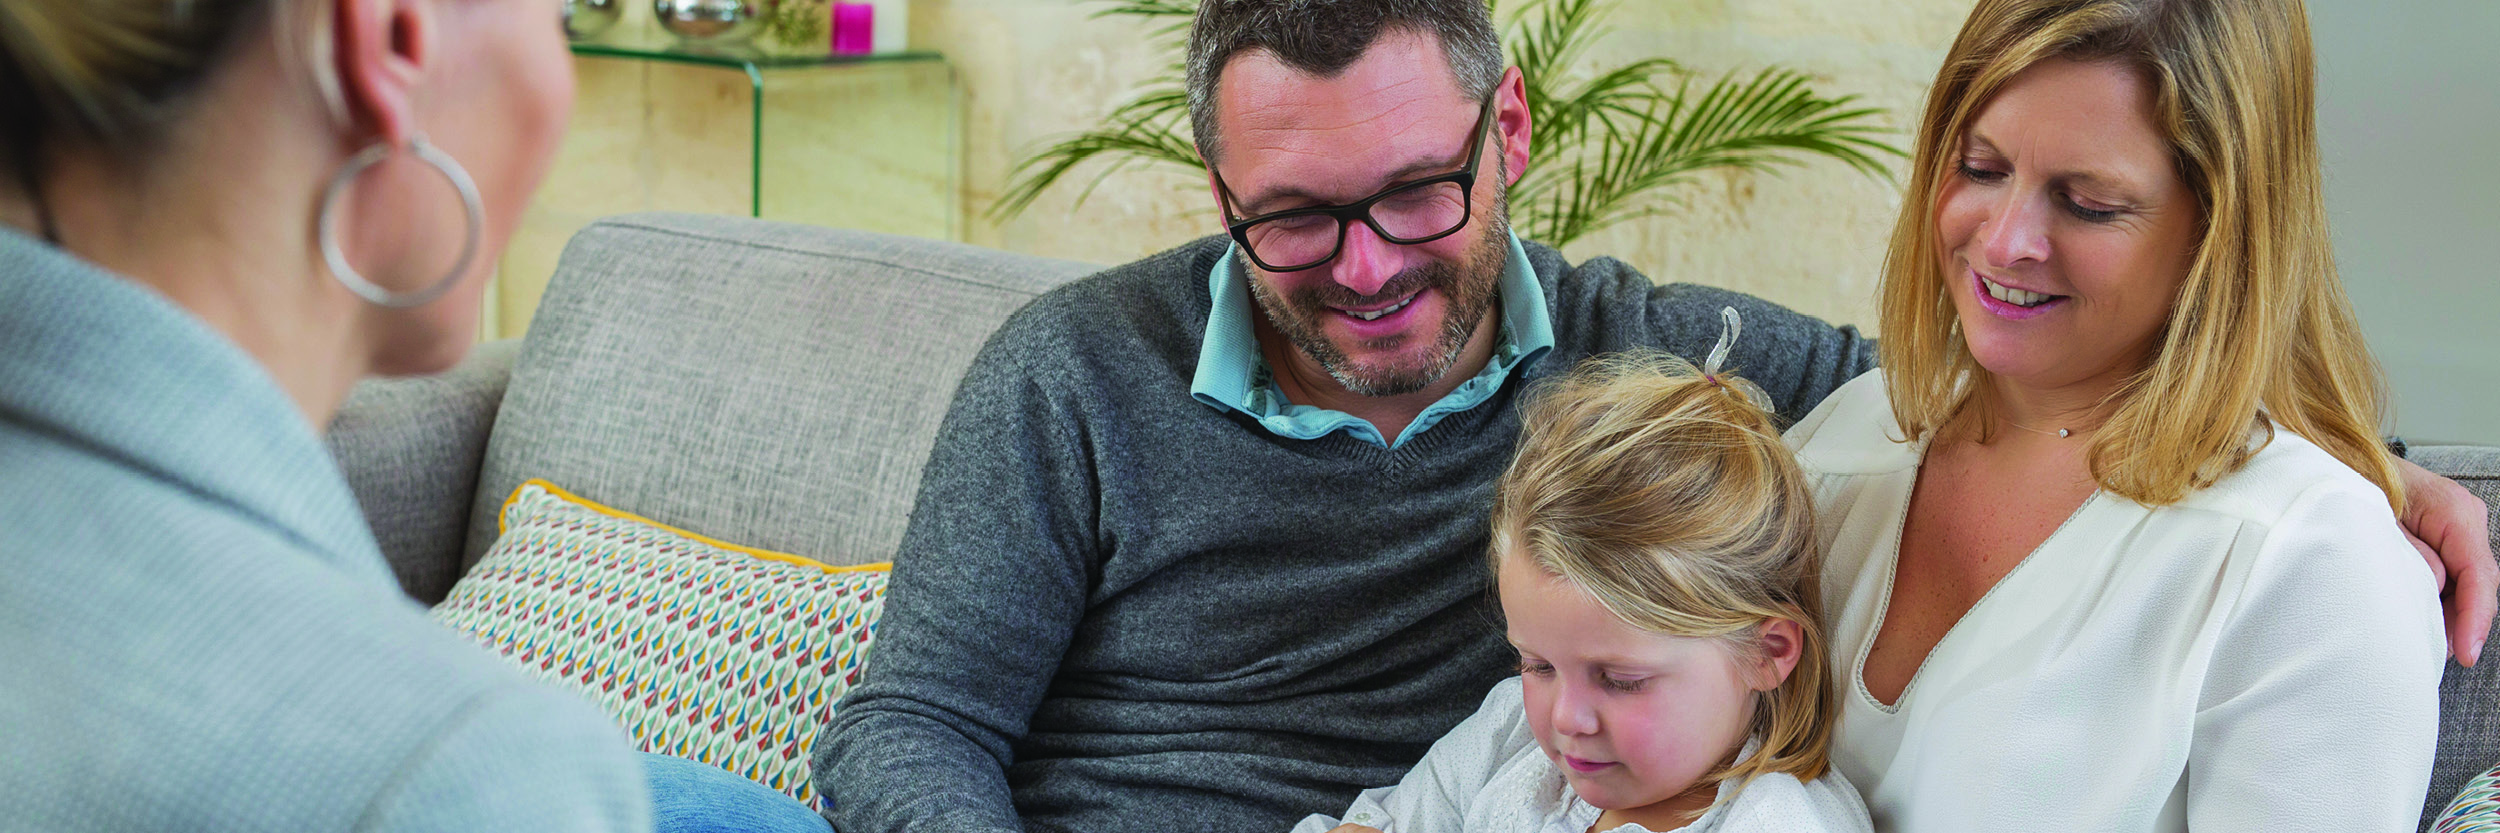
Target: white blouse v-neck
point(2263, 655)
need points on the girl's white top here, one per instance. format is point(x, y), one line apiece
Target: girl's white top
point(2263, 655)
point(1489, 775)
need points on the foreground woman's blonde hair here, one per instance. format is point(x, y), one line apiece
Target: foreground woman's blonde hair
point(1669, 497)
point(2261, 336)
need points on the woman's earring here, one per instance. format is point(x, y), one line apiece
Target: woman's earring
point(327, 231)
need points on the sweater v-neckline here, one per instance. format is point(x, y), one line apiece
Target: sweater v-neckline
point(1892, 568)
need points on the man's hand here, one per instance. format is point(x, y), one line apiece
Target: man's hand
point(2452, 529)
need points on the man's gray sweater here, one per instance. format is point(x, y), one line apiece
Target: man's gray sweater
point(1118, 609)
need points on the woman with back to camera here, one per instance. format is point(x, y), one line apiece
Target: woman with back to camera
point(2112, 544)
point(216, 216)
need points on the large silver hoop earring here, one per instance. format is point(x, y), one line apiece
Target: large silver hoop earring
point(327, 231)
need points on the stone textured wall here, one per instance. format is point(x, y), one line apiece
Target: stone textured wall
point(1809, 237)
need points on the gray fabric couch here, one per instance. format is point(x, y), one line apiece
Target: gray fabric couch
point(779, 386)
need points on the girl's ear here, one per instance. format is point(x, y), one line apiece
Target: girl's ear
point(1780, 643)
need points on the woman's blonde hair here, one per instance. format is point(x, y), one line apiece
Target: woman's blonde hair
point(119, 72)
point(1668, 496)
point(2261, 335)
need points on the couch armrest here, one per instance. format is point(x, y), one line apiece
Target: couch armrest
point(410, 449)
point(2469, 698)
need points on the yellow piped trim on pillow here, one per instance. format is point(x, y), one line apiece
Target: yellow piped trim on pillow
point(619, 514)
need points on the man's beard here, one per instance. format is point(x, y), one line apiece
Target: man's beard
point(1470, 286)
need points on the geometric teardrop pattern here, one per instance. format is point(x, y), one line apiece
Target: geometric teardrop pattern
point(2476, 808)
point(703, 650)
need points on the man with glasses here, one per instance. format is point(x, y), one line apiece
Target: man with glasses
point(1201, 544)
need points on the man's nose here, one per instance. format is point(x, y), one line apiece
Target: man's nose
point(1366, 263)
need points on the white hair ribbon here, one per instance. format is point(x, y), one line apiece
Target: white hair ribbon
point(1727, 342)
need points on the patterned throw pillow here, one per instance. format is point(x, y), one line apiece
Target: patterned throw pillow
point(703, 650)
point(2476, 808)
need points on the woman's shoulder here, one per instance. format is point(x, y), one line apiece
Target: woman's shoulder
point(2288, 477)
point(1781, 802)
point(215, 617)
point(2314, 536)
point(1853, 432)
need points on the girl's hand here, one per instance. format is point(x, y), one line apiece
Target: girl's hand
point(1352, 828)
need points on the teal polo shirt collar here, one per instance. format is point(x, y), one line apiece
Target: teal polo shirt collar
point(1233, 376)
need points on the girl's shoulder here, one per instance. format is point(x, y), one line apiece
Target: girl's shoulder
point(1781, 802)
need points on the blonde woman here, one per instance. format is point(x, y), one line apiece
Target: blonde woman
point(215, 216)
point(2112, 543)
point(1653, 551)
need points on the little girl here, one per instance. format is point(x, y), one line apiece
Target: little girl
point(1653, 549)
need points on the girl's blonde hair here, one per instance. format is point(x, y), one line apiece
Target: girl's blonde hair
point(1668, 496)
point(2261, 334)
point(120, 72)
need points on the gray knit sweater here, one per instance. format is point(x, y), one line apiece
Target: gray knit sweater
point(1118, 609)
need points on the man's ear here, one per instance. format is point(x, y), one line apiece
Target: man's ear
point(1511, 122)
point(380, 50)
point(1216, 194)
point(1781, 643)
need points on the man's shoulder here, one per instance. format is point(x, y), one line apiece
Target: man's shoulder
point(1596, 278)
point(1130, 327)
point(1163, 293)
point(1178, 274)
point(1602, 305)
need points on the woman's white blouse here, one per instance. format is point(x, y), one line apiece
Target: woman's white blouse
point(2263, 655)
point(1489, 776)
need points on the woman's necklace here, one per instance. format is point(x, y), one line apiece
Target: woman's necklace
point(2059, 433)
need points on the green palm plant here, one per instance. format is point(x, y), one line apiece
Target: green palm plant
point(1611, 146)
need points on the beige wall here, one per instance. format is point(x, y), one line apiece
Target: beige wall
point(1810, 238)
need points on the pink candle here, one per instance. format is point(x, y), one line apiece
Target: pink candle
point(854, 28)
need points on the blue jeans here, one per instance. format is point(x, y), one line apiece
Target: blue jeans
point(692, 797)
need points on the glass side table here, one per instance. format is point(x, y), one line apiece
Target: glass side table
point(867, 142)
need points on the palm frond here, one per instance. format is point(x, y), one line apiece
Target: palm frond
point(1177, 14)
point(1151, 129)
point(1769, 121)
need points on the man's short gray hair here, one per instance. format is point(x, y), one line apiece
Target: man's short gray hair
point(1324, 37)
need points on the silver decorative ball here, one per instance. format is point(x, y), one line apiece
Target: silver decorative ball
point(711, 21)
point(586, 19)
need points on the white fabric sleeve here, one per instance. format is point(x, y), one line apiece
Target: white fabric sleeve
point(1779, 803)
point(2320, 709)
point(1434, 796)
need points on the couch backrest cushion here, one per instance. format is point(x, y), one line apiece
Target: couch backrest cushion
point(765, 383)
point(2469, 698)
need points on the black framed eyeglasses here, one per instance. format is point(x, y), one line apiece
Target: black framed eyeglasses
point(1416, 212)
